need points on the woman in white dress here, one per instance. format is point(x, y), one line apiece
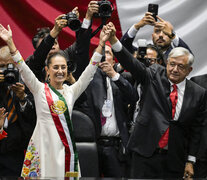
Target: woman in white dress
point(51, 151)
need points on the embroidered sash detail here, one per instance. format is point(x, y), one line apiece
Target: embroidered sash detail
point(60, 114)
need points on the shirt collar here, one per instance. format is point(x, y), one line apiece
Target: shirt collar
point(180, 86)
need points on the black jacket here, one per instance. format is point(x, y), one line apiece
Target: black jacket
point(156, 113)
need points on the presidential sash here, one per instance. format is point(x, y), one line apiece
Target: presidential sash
point(60, 114)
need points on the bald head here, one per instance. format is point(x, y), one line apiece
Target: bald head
point(5, 57)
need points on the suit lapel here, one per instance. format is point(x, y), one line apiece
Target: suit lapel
point(186, 99)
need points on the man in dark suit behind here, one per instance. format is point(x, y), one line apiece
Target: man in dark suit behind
point(156, 117)
point(201, 163)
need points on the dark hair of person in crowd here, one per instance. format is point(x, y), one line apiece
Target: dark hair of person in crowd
point(41, 34)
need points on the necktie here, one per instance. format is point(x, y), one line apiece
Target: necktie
point(12, 114)
point(174, 98)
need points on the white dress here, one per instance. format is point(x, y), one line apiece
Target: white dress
point(45, 156)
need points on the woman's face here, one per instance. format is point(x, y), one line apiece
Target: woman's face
point(57, 71)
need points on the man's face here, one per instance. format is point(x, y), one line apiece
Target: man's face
point(109, 55)
point(178, 69)
point(160, 39)
point(152, 55)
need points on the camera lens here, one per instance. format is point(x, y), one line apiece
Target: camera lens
point(74, 25)
point(11, 74)
point(105, 9)
point(10, 78)
point(71, 66)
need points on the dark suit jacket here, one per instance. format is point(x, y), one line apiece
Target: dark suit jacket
point(123, 94)
point(155, 115)
point(18, 135)
point(127, 43)
point(202, 155)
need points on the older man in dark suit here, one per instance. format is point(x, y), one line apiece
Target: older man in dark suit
point(166, 137)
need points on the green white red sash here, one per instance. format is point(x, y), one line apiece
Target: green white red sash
point(60, 114)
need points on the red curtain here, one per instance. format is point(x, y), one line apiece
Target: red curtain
point(25, 16)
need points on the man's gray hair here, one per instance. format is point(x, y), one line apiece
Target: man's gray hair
point(180, 51)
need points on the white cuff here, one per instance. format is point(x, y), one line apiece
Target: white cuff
point(86, 23)
point(18, 59)
point(96, 58)
point(175, 41)
point(191, 158)
point(117, 46)
point(132, 32)
point(116, 77)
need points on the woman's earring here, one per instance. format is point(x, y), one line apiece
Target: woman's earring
point(48, 79)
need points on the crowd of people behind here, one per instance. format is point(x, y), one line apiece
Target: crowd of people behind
point(149, 118)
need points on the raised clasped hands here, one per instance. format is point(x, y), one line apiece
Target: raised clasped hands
point(108, 32)
point(105, 34)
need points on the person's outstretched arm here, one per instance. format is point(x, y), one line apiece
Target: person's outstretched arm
point(27, 75)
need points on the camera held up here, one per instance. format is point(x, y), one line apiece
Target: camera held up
point(11, 74)
point(142, 51)
point(105, 9)
point(73, 22)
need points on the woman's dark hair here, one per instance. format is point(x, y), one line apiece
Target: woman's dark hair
point(59, 53)
point(41, 33)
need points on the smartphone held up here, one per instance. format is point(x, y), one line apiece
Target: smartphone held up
point(153, 8)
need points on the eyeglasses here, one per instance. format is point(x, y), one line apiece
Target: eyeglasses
point(180, 67)
point(152, 60)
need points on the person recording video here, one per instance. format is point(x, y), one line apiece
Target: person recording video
point(163, 35)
